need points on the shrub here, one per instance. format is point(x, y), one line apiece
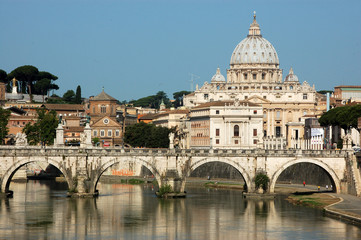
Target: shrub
point(165, 189)
point(261, 180)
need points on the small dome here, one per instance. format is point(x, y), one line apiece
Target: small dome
point(254, 48)
point(291, 77)
point(218, 77)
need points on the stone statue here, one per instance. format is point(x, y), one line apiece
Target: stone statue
point(21, 140)
point(171, 140)
point(347, 141)
point(83, 138)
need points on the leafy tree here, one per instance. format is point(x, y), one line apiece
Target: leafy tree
point(42, 86)
point(44, 130)
point(4, 119)
point(147, 135)
point(26, 75)
point(261, 179)
point(78, 95)
point(345, 117)
point(47, 78)
point(325, 91)
point(152, 101)
point(69, 96)
point(3, 76)
point(178, 97)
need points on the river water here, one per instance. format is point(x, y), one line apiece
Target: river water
point(40, 210)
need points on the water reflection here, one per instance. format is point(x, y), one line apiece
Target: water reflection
point(41, 211)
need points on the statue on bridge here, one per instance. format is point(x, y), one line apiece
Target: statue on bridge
point(21, 140)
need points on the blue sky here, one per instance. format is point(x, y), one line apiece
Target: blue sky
point(135, 48)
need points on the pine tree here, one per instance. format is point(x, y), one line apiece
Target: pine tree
point(78, 95)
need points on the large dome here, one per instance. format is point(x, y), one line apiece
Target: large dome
point(254, 48)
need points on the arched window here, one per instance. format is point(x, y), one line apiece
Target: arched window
point(103, 109)
point(236, 131)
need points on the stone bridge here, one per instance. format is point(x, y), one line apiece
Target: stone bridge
point(83, 167)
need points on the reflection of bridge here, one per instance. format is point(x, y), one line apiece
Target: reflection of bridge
point(83, 167)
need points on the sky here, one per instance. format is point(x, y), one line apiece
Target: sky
point(135, 48)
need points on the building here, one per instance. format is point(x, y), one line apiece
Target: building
point(103, 120)
point(171, 118)
point(226, 124)
point(344, 94)
point(254, 76)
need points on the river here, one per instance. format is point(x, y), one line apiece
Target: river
point(40, 210)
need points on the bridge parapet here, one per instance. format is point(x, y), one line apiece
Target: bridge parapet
point(56, 151)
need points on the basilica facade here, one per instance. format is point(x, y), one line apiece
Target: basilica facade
point(255, 76)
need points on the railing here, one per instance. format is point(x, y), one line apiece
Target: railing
point(56, 151)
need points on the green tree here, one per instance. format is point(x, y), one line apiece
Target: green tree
point(4, 119)
point(152, 101)
point(147, 135)
point(69, 96)
point(345, 117)
point(42, 86)
point(178, 97)
point(3, 76)
point(325, 91)
point(44, 130)
point(48, 78)
point(26, 75)
point(78, 95)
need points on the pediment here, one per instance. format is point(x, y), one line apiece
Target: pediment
point(106, 122)
point(258, 100)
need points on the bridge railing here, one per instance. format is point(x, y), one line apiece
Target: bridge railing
point(37, 150)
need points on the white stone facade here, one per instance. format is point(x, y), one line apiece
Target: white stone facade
point(254, 76)
point(226, 124)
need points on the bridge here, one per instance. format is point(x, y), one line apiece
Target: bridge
point(82, 167)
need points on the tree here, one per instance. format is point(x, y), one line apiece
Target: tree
point(325, 91)
point(78, 95)
point(4, 119)
point(44, 130)
point(42, 86)
point(48, 78)
point(178, 97)
point(26, 75)
point(69, 96)
point(152, 101)
point(345, 117)
point(147, 135)
point(3, 76)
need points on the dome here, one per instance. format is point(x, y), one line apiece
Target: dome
point(218, 77)
point(254, 48)
point(291, 77)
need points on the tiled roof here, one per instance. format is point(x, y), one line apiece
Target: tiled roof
point(103, 96)
point(65, 107)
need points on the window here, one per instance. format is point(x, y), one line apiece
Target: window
point(73, 134)
point(305, 96)
point(254, 141)
point(205, 96)
point(235, 141)
point(254, 76)
point(93, 109)
point(217, 132)
point(278, 114)
point(102, 133)
point(263, 76)
point(117, 133)
point(217, 141)
point(217, 111)
point(264, 97)
point(291, 87)
point(254, 111)
point(109, 133)
point(254, 132)
point(245, 76)
point(95, 133)
point(236, 131)
point(278, 131)
point(103, 109)
point(245, 97)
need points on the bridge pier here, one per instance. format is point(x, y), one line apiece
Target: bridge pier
point(173, 179)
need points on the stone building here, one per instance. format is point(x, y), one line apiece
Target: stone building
point(255, 76)
point(226, 124)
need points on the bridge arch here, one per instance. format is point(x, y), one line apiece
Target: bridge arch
point(234, 164)
point(5, 183)
point(116, 160)
point(319, 163)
